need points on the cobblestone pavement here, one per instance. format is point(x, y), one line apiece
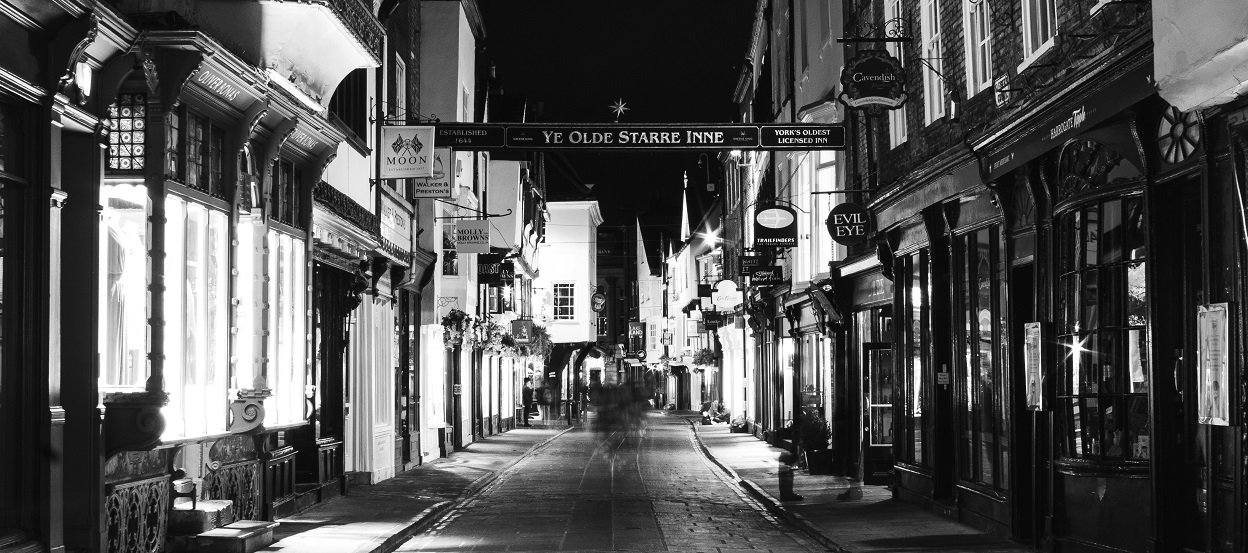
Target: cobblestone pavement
point(647, 490)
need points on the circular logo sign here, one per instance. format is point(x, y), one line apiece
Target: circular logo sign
point(597, 301)
point(641, 355)
point(849, 224)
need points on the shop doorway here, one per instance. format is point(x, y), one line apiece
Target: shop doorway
point(1184, 448)
point(1031, 476)
point(877, 436)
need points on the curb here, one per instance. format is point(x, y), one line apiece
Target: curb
point(772, 505)
point(432, 514)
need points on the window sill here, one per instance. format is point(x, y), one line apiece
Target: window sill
point(1036, 55)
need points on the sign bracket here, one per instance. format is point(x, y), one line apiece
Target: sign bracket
point(480, 213)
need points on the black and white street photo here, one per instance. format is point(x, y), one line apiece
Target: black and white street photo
point(723, 276)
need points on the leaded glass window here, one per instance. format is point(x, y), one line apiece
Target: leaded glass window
point(127, 132)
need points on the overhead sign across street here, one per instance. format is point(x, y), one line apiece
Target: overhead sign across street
point(621, 136)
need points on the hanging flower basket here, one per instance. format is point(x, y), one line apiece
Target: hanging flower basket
point(704, 356)
point(455, 325)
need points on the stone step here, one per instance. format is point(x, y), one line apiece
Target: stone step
point(188, 518)
point(15, 541)
point(244, 536)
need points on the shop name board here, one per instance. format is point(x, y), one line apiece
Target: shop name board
point(303, 139)
point(493, 270)
point(873, 79)
point(802, 137)
point(406, 152)
point(575, 136)
point(395, 224)
point(217, 85)
point(849, 224)
point(1089, 111)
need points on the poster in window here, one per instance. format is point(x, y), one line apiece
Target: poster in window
point(1033, 360)
point(1213, 392)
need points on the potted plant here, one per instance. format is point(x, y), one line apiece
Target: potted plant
point(815, 439)
point(455, 325)
point(704, 356)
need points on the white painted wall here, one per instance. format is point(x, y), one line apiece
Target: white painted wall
point(569, 255)
point(1200, 52)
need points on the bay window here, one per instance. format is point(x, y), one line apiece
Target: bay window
point(196, 318)
point(1102, 385)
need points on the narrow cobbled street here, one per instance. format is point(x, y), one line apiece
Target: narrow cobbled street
point(647, 489)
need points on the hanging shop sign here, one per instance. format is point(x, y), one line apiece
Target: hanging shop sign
point(726, 295)
point(775, 226)
point(624, 136)
point(472, 236)
point(666, 340)
point(1080, 115)
point(598, 302)
point(522, 331)
point(493, 270)
point(439, 184)
point(873, 79)
point(849, 224)
point(636, 329)
point(406, 152)
point(396, 226)
point(768, 275)
point(748, 264)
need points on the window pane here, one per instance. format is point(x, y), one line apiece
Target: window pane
point(1137, 308)
point(1088, 300)
point(194, 313)
point(1091, 236)
point(1112, 231)
point(123, 293)
point(1136, 239)
point(218, 298)
point(175, 361)
point(1137, 433)
point(1137, 361)
point(1112, 296)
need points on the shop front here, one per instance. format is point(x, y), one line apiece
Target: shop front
point(862, 407)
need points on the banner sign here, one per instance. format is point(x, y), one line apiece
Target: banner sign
point(768, 275)
point(802, 137)
point(439, 185)
point(471, 136)
point(873, 79)
point(406, 152)
point(396, 225)
point(472, 236)
point(775, 226)
point(726, 295)
point(625, 136)
point(849, 224)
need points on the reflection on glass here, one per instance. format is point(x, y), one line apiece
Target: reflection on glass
point(1137, 360)
point(1089, 301)
point(1137, 438)
point(175, 358)
point(881, 396)
point(123, 286)
point(1111, 232)
point(1136, 238)
point(1137, 306)
point(1091, 246)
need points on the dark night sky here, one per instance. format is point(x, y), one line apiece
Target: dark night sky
point(672, 61)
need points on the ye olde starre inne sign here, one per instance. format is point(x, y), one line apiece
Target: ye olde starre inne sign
point(849, 224)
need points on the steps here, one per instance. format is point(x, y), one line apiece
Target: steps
point(244, 536)
point(15, 541)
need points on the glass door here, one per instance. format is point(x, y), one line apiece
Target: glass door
point(877, 440)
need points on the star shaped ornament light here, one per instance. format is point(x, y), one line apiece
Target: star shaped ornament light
point(618, 108)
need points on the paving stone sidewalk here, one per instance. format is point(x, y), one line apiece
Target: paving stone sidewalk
point(840, 512)
point(377, 518)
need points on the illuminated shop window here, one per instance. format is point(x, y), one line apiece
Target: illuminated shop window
point(123, 286)
point(917, 430)
point(1102, 315)
point(288, 352)
point(127, 133)
point(197, 324)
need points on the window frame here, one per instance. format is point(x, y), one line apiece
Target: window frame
point(897, 132)
point(933, 55)
point(1038, 37)
point(978, 48)
point(556, 314)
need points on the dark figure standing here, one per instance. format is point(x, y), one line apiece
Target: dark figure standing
point(526, 397)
